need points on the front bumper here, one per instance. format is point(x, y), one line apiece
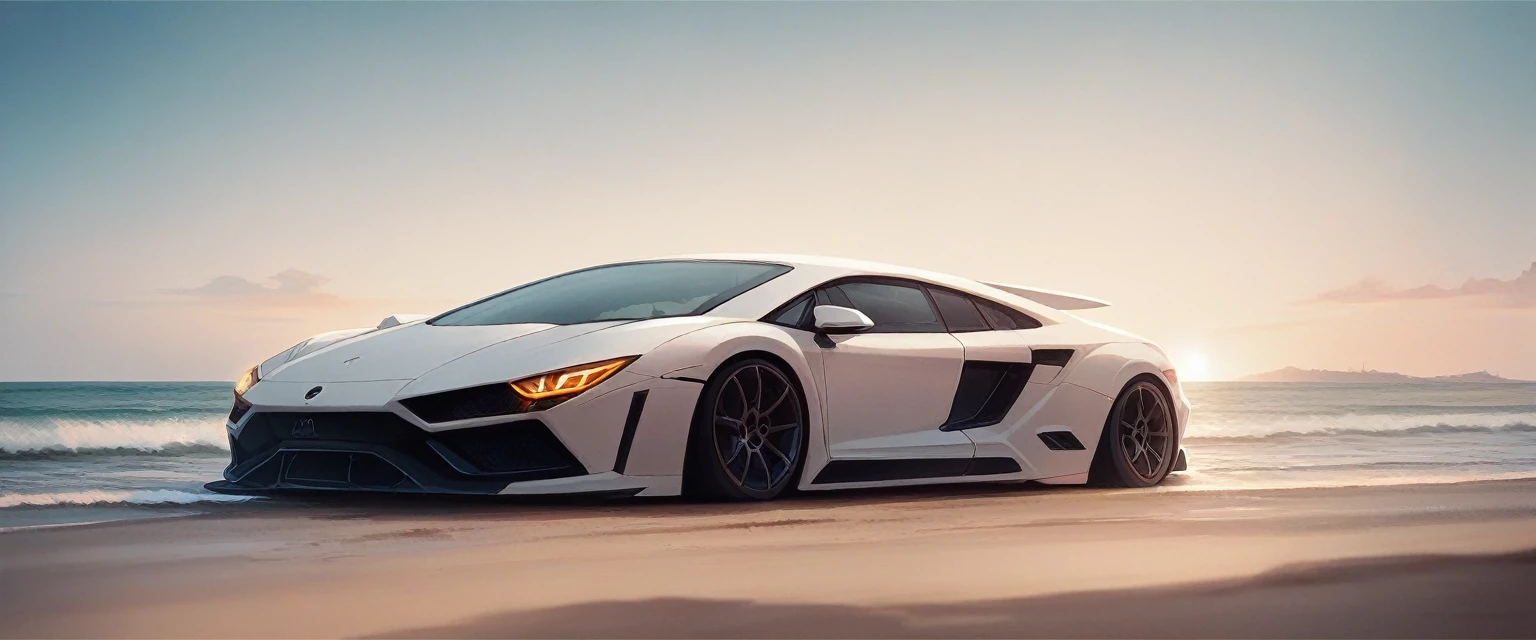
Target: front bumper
point(380, 451)
point(362, 436)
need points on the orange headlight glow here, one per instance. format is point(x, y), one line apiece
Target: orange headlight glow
point(247, 381)
point(570, 381)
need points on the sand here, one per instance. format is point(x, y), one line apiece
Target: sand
point(1449, 560)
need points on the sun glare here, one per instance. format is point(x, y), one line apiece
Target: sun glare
point(1194, 367)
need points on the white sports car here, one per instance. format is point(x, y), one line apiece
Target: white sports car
point(728, 377)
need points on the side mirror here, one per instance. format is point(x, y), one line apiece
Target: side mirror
point(835, 319)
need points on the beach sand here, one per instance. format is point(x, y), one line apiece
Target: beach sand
point(1448, 560)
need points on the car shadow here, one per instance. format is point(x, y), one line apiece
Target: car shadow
point(357, 505)
point(1396, 597)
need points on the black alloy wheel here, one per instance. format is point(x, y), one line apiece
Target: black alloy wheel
point(1139, 442)
point(748, 436)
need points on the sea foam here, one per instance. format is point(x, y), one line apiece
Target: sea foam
point(66, 437)
point(104, 498)
point(1249, 427)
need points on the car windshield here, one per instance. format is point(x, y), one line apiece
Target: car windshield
point(633, 291)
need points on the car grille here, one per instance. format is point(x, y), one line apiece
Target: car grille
point(381, 450)
point(463, 404)
point(508, 450)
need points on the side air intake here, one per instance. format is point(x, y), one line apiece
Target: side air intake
point(1061, 441)
point(986, 392)
point(1053, 357)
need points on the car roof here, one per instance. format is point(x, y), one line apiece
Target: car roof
point(819, 262)
point(813, 270)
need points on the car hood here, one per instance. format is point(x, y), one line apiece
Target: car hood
point(542, 352)
point(409, 351)
point(444, 357)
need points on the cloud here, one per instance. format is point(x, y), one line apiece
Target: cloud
point(1518, 292)
point(290, 287)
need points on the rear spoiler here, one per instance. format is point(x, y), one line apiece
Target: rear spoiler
point(1053, 299)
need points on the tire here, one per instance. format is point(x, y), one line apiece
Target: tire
point(748, 438)
point(1140, 439)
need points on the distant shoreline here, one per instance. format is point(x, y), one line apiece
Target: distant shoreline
point(1293, 374)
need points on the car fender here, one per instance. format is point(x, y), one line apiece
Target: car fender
point(694, 357)
point(697, 354)
point(1107, 369)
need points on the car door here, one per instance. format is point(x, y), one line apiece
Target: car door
point(888, 390)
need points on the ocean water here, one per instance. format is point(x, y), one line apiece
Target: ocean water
point(89, 451)
point(76, 452)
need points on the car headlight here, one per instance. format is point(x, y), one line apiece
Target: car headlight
point(566, 383)
point(247, 381)
point(244, 384)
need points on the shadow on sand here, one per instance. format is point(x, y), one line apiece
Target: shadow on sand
point(339, 505)
point(1402, 597)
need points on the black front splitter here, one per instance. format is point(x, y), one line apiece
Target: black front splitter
point(229, 488)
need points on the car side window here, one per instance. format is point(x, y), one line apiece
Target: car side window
point(832, 296)
point(959, 313)
point(793, 315)
point(1004, 318)
point(895, 308)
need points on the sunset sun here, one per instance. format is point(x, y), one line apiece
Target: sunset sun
point(1193, 366)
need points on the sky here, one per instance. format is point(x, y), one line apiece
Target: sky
point(188, 188)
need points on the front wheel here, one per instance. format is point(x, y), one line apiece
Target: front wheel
point(747, 441)
point(1139, 442)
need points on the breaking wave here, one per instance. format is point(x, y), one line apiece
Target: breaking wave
point(108, 498)
point(63, 438)
point(1234, 422)
point(103, 413)
point(1405, 465)
point(1424, 429)
point(1275, 410)
point(173, 449)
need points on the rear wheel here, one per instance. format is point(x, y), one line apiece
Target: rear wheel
point(1139, 442)
point(748, 436)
